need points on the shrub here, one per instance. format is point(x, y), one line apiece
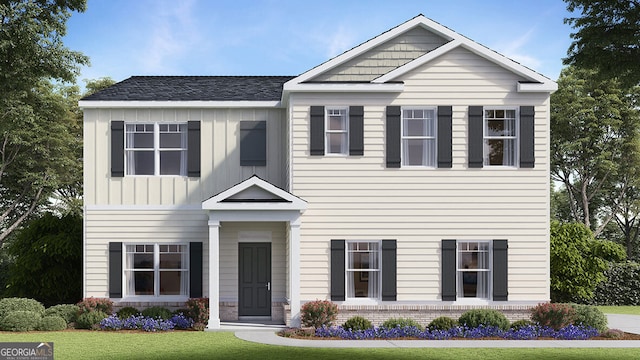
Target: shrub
point(401, 323)
point(95, 304)
point(52, 323)
point(198, 310)
point(588, 315)
point(442, 323)
point(8, 305)
point(128, 311)
point(68, 312)
point(553, 315)
point(181, 322)
point(20, 320)
point(319, 313)
point(157, 312)
point(613, 334)
point(291, 332)
point(621, 287)
point(519, 324)
point(90, 320)
point(487, 317)
point(357, 323)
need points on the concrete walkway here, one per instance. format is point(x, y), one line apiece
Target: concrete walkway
point(268, 335)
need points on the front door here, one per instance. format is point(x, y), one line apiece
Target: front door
point(254, 292)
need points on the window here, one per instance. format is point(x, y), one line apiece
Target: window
point(419, 137)
point(156, 270)
point(363, 270)
point(473, 270)
point(156, 149)
point(500, 137)
point(337, 136)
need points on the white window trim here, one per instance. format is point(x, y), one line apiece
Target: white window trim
point(156, 273)
point(327, 131)
point(362, 300)
point(516, 137)
point(469, 300)
point(435, 137)
point(156, 148)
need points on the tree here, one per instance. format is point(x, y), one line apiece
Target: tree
point(36, 155)
point(594, 135)
point(48, 260)
point(607, 38)
point(578, 261)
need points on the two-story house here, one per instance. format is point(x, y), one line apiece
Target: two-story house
point(408, 176)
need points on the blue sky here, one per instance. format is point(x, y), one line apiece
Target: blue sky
point(270, 37)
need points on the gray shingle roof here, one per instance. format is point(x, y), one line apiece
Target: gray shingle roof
point(194, 88)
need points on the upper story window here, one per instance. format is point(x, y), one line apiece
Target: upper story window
point(337, 133)
point(419, 137)
point(156, 149)
point(473, 270)
point(500, 137)
point(156, 270)
point(363, 269)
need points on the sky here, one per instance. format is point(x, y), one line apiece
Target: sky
point(125, 38)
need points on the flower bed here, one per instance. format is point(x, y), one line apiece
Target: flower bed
point(146, 323)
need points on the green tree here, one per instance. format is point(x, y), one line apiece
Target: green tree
point(578, 261)
point(607, 38)
point(37, 155)
point(48, 260)
point(594, 135)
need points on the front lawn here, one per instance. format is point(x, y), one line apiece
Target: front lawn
point(224, 345)
point(625, 310)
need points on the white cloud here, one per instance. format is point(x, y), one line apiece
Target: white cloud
point(334, 42)
point(514, 50)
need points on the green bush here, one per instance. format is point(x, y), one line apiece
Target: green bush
point(442, 323)
point(68, 312)
point(318, 313)
point(8, 305)
point(401, 322)
point(590, 316)
point(621, 287)
point(52, 323)
point(520, 324)
point(553, 315)
point(487, 317)
point(613, 334)
point(90, 320)
point(20, 320)
point(357, 323)
point(157, 312)
point(127, 312)
point(96, 304)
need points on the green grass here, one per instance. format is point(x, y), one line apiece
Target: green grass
point(626, 310)
point(224, 345)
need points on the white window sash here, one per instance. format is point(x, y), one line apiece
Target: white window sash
point(344, 145)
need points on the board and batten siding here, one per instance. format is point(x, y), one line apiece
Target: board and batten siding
point(220, 156)
point(358, 198)
point(385, 57)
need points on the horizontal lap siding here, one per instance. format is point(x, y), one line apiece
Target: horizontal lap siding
point(136, 226)
point(220, 156)
point(358, 198)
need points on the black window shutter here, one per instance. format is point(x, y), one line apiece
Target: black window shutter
point(476, 147)
point(527, 137)
point(115, 270)
point(317, 130)
point(448, 270)
point(253, 143)
point(393, 136)
point(193, 148)
point(195, 269)
point(356, 130)
point(444, 136)
point(117, 148)
point(337, 270)
point(389, 270)
point(500, 270)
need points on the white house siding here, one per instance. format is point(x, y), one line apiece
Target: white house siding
point(220, 156)
point(358, 198)
point(385, 57)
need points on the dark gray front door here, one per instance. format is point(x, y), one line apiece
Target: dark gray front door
point(254, 292)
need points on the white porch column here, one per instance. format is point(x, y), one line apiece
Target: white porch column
point(294, 271)
point(214, 275)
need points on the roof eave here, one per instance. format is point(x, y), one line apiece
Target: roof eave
point(102, 104)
